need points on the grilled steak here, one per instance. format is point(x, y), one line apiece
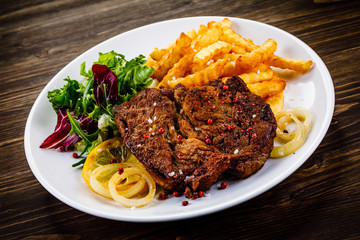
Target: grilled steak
point(189, 138)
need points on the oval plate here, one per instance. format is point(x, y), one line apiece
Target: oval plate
point(313, 90)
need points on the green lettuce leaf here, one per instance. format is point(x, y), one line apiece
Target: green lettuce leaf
point(65, 96)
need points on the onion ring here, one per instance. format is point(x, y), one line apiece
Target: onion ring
point(105, 171)
point(282, 122)
point(297, 140)
point(121, 198)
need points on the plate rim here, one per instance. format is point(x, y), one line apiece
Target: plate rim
point(183, 215)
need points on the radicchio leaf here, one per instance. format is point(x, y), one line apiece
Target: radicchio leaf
point(60, 138)
point(103, 75)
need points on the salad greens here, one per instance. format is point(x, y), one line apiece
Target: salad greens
point(85, 107)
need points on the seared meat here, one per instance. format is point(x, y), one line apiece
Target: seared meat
point(189, 138)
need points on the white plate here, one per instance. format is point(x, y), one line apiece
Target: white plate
point(313, 90)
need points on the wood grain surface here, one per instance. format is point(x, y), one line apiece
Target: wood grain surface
point(321, 200)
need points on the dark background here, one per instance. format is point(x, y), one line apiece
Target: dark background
point(321, 200)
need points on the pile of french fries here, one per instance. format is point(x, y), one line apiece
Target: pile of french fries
point(216, 51)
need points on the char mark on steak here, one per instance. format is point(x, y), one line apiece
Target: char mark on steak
point(209, 131)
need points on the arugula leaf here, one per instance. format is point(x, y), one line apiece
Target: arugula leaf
point(134, 77)
point(111, 59)
point(66, 96)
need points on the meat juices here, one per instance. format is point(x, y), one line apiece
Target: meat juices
point(212, 131)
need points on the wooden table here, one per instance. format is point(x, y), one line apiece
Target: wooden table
point(321, 200)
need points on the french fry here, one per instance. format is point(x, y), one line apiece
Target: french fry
point(257, 56)
point(212, 72)
point(150, 62)
point(230, 57)
point(209, 37)
point(255, 77)
point(157, 54)
point(237, 50)
point(179, 69)
point(192, 34)
point(276, 102)
point(268, 88)
point(287, 63)
point(202, 29)
point(226, 23)
point(261, 67)
point(203, 58)
point(231, 36)
point(173, 56)
point(207, 53)
point(230, 69)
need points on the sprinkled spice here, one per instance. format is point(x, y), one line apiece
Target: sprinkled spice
point(161, 196)
point(201, 193)
point(185, 203)
point(223, 185)
point(120, 171)
point(161, 130)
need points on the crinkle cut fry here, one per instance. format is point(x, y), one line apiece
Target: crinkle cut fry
point(259, 55)
point(267, 88)
point(173, 56)
point(214, 71)
point(276, 102)
point(254, 77)
point(231, 36)
point(292, 64)
point(205, 56)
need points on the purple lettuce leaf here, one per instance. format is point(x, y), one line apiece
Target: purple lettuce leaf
point(103, 75)
point(60, 138)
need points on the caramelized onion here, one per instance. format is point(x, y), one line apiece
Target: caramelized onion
point(295, 139)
